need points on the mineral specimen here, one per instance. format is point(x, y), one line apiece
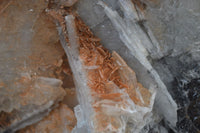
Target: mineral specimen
point(109, 94)
point(158, 39)
point(133, 37)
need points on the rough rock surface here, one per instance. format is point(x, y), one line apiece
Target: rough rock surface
point(60, 120)
point(28, 48)
point(36, 101)
point(31, 60)
point(187, 86)
point(176, 24)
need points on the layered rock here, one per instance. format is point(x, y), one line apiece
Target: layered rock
point(60, 120)
point(36, 101)
point(30, 56)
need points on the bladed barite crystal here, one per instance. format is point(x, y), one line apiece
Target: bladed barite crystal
point(108, 89)
point(133, 64)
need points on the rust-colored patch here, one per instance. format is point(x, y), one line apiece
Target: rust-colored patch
point(141, 5)
point(93, 54)
point(4, 4)
point(100, 64)
point(2, 84)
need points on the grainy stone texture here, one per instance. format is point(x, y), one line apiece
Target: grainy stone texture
point(60, 120)
point(35, 102)
point(32, 63)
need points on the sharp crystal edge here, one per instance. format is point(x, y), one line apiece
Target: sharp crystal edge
point(76, 66)
point(130, 111)
point(147, 42)
point(128, 32)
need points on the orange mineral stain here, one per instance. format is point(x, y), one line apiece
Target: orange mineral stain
point(93, 53)
point(101, 66)
point(108, 76)
point(2, 84)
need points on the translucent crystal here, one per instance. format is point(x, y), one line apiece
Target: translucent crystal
point(108, 111)
point(130, 37)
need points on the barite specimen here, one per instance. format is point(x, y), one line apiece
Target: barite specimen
point(110, 97)
point(60, 120)
point(140, 95)
point(134, 39)
point(108, 91)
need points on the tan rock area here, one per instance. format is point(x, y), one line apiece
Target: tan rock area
point(33, 70)
point(60, 120)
